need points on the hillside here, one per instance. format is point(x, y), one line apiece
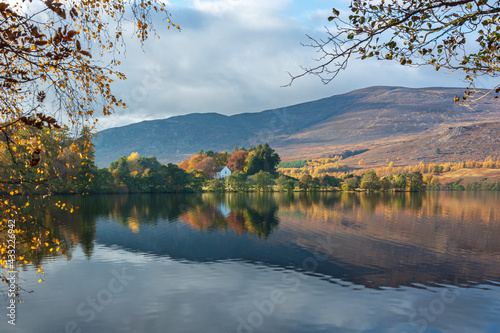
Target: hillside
point(456, 144)
point(363, 119)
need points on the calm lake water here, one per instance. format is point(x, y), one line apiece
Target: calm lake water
point(326, 262)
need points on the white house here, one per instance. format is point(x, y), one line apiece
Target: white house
point(222, 172)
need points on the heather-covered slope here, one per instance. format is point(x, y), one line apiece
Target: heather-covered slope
point(365, 118)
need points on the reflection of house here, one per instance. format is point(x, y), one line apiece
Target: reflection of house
point(222, 172)
point(225, 210)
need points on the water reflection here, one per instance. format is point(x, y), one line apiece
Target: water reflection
point(241, 213)
point(371, 239)
point(210, 263)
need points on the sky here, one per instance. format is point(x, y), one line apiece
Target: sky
point(234, 56)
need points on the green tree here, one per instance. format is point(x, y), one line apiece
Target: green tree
point(285, 183)
point(262, 181)
point(264, 158)
point(154, 177)
point(216, 185)
point(385, 183)
point(370, 180)
point(352, 181)
point(121, 172)
point(196, 179)
point(458, 36)
point(400, 181)
point(345, 187)
point(237, 181)
point(253, 164)
point(174, 178)
point(415, 181)
point(437, 169)
point(315, 185)
point(328, 180)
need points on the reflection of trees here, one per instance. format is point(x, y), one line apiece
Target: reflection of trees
point(149, 208)
point(260, 223)
point(244, 213)
point(406, 200)
point(50, 232)
point(87, 237)
point(254, 213)
point(79, 228)
point(431, 220)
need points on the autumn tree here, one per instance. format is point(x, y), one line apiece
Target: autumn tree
point(305, 182)
point(236, 162)
point(450, 35)
point(221, 158)
point(207, 165)
point(370, 180)
point(58, 62)
point(203, 163)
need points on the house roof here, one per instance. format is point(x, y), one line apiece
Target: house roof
point(219, 169)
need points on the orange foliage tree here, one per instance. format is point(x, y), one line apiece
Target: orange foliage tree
point(203, 163)
point(237, 161)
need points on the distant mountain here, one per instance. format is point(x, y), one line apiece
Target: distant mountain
point(362, 119)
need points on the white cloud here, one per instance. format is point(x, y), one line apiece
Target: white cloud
point(253, 14)
point(233, 56)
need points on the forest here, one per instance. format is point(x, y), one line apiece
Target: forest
point(257, 168)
